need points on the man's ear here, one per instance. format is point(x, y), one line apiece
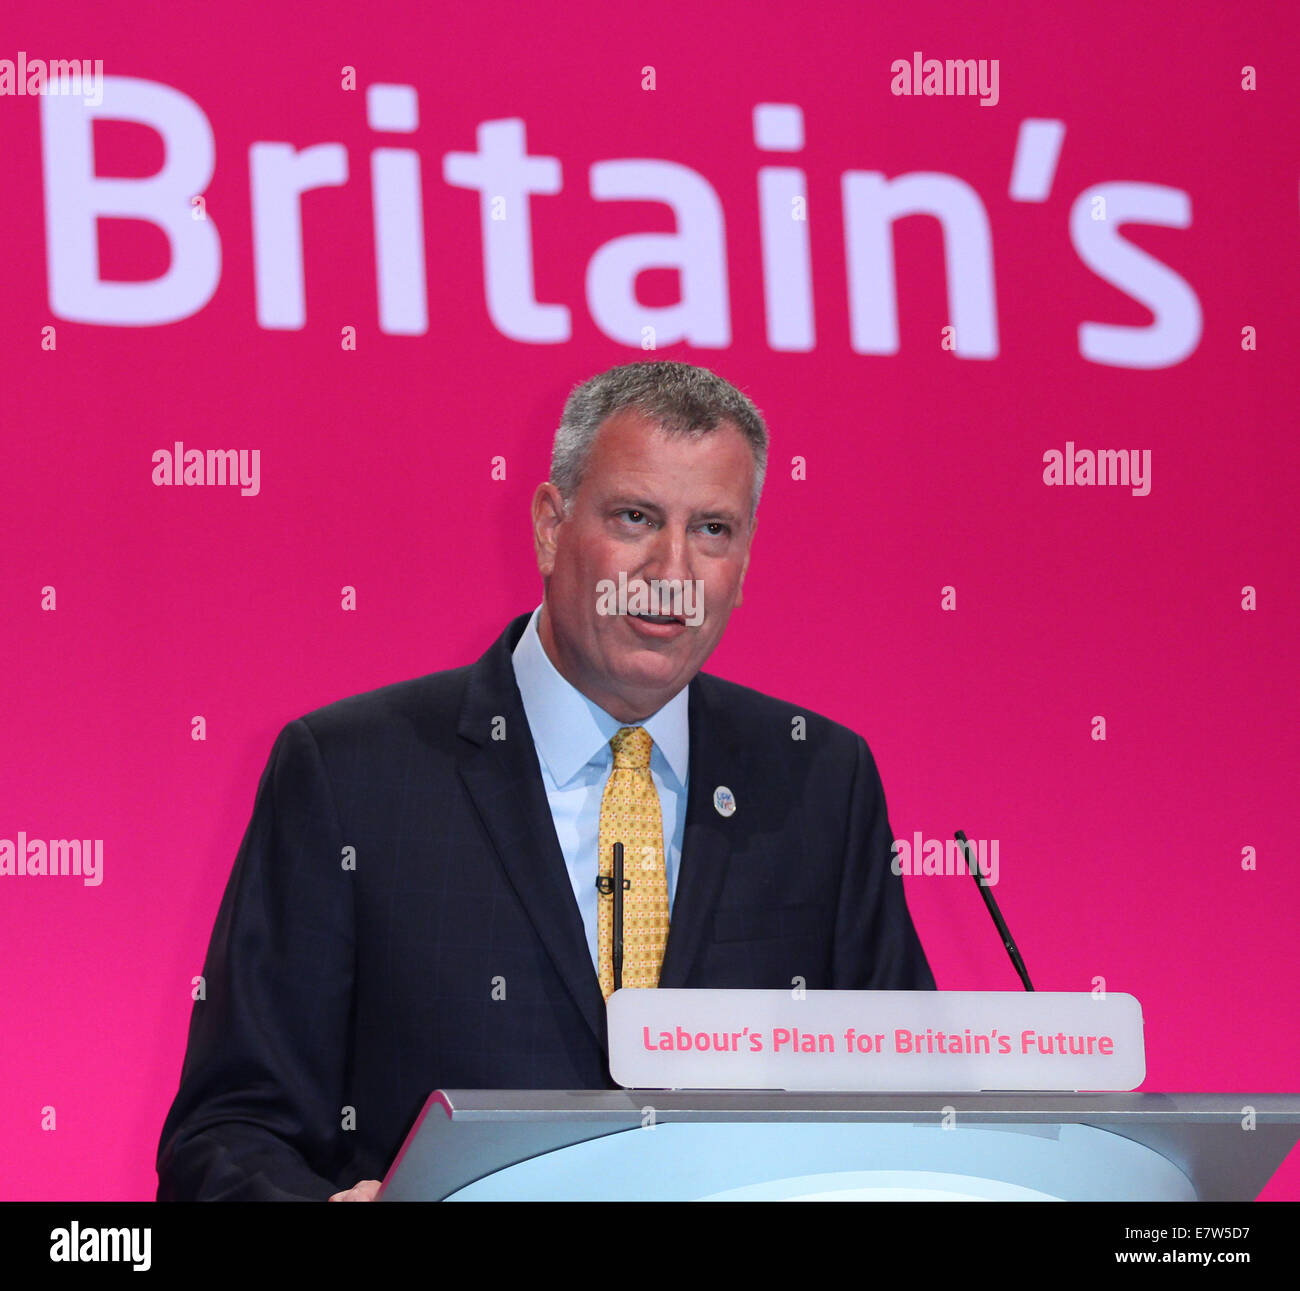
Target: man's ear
point(548, 513)
point(744, 569)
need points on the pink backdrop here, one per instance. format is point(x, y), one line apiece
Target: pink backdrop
point(1119, 859)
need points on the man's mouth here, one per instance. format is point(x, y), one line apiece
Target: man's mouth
point(659, 618)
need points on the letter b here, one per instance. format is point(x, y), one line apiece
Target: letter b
point(76, 198)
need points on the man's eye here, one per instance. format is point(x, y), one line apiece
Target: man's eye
point(635, 516)
point(716, 529)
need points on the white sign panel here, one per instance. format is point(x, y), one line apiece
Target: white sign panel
point(880, 1040)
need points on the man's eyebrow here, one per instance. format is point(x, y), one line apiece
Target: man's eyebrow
point(629, 503)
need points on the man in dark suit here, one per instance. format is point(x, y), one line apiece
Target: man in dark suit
point(415, 902)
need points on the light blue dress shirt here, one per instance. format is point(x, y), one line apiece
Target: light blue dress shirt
point(572, 735)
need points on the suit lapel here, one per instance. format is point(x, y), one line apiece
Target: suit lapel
point(505, 783)
point(715, 760)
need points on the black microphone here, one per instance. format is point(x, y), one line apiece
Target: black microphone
point(618, 916)
point(614, 887)
point(1003, 931)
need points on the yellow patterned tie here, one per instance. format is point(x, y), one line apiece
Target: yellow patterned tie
point(629, 814)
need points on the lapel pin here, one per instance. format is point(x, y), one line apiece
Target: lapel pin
point(724, 801)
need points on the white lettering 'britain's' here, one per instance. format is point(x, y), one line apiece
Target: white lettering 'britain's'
point(509, 180)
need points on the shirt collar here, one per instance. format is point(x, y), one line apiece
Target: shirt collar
point(569, 730)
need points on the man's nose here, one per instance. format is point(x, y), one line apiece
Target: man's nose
point(669, 555)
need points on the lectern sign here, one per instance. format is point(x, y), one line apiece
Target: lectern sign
point(905, 1040)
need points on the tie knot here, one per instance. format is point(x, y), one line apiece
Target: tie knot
point(631, 748)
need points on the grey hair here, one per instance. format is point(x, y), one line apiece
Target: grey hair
point(680, 398)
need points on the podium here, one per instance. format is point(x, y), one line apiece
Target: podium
point(643, 1145)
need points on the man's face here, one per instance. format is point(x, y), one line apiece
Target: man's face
point(651, 506)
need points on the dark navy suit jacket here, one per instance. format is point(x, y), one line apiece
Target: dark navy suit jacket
point(450, 953)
